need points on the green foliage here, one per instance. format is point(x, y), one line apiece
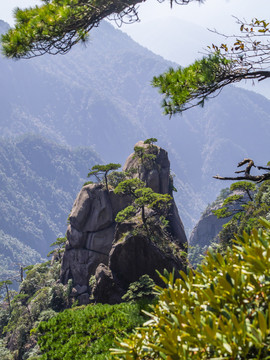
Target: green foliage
point(129, 186)
point(247, 214)
point(246, 186)
point(147, 155)
point(103, 170)
point(116, 177)
point(220, 311)
point(237, 200)
point(5, 354)
point(150, 141)
point(56, 25)
point(126, 214)
point(184, 88)
point(143, 288)
point(39, 298)
point(88, 183)
point(142, 197)
point(59, 245)
point(86, 332)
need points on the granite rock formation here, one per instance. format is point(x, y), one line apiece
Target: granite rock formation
point(209, 226)
point(96, 246)
point(157, 176)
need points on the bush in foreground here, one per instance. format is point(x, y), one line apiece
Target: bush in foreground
point(219, 311)
point(87, 332)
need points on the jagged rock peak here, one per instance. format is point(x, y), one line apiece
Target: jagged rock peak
point(154, 171)
point(97, 246)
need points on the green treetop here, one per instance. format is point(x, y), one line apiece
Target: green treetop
point(235, 203)
point(142, 198)
point(247, 57)
point(56, 25)
point(103, 170)
point(150, 141)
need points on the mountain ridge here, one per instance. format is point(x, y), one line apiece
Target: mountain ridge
point(101, 97)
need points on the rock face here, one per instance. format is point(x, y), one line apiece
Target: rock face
point(96, 246)
point(90, 233)
point(156, 175)
point(207, 228)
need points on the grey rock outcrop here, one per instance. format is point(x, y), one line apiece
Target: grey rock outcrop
point(207, 228)
point(157, 177)
point(90, 233)
point(135, 256)
point(96, 246)
point(156, 174)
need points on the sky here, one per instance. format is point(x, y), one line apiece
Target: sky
point(156, 18)
point(211, 13)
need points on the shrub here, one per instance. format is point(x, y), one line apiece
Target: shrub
point(86, 332)
point(220, 311)
point(143, 288)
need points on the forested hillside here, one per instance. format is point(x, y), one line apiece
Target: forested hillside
point(39, 181)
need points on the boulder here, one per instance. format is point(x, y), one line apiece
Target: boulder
point(106, 289)
point(135, 256)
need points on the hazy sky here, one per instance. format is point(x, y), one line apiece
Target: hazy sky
point(211, 13)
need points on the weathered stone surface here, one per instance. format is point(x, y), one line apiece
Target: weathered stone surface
point(136, 256)
point(81, 289)
point(101, 241)
point(176, 226)
point(92, 209)
point(206, 230)
point(158, 179)
point(79, 265)
point(76, 238)
point(122, 229)
point(118, 202)
point(209, 226)
point(92, 231)
point(157, 176)
point(84, 299)
point(106, 290)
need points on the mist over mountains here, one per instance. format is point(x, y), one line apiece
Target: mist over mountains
point(100, 96)
point(39, 181)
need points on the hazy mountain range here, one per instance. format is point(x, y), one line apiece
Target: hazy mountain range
point(100, 96)
point(39, 181)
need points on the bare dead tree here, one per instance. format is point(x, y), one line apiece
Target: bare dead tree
point(247, 175)
point(249, 53)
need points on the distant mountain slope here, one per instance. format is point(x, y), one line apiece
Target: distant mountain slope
point(101, 96)
point(13, 255)
point(39, 181)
